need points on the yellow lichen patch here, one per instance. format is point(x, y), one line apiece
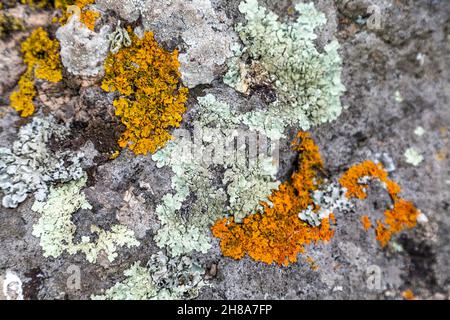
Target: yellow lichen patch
point(41, 55)
point(89, 17)
point(152, 100)
point(402, 216)
point(277, 234)
point(22, 100)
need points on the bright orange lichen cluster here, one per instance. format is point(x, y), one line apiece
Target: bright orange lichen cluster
point(402, 216)
point(57, 4)
point(152, 100)
point(408, 295)
point(41, 55)
point(355, 189)
point(277, 234)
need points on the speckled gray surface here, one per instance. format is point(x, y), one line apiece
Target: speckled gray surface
point(408, 54)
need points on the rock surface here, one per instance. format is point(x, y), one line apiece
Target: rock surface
point(396, 68)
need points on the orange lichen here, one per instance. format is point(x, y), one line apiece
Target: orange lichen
point(402, 216)
point(408, 295)
point(277, 234)
point(332, 218)
point(152, 101)
point(366, 223)
point(351, 179)
point(89, 17)
point(41, 54)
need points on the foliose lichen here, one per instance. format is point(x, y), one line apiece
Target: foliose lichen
point(12, 286)
point(276, 234)
point(30, 166)
point(194, 161)
point(283, 55)
point(152, 100)
point(163, 278)
point(56, 230)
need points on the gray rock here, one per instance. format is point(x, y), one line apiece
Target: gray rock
point(83, 51)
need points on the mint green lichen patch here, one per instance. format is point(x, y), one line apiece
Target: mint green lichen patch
point(163, 279)
point(137, 286)
point(330, 198)
point(413, 156)
point(57, 232)
point(284, 55)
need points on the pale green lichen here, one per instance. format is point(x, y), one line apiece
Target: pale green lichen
point(163, 279)
point(119, 39)
point(329, 199)
point(30, 166)
point(419, 131)
point(398, 97)
point(413, 157)
point(193, 161)
point(138, 286)
point(57, 231)
point(283, 55)
point(248, 187)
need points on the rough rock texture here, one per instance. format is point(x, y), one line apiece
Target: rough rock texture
point(202, 34)
point(397, 79)
point(206, 34)
point(83, 51)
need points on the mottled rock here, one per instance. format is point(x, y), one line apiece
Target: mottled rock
point(83, 51)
